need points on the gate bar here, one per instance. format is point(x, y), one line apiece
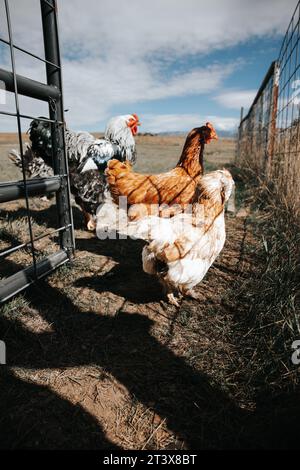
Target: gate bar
point(14, 284)
point(29, 87)
point(35, 187)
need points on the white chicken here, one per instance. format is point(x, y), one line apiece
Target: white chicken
point(181, 249)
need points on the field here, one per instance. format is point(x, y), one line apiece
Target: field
point(96, 359)
point(155, 153)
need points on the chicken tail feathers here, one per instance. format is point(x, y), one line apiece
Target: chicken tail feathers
point(15, 157)
point(34, 166)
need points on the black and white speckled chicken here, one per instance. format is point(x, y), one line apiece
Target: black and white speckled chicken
point(87, 158)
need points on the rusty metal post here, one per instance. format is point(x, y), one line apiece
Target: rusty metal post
point(272, 130)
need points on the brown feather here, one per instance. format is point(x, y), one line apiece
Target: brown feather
point(177, 186)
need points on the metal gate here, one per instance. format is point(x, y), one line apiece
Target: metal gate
point(51, 93)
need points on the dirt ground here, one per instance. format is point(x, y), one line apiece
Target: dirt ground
point(96, 359)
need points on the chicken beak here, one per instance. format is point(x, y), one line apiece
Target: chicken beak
point(213, 134)
point(137, 121)
point(133, 124)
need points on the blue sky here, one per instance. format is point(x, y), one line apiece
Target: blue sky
point(175, 63)
point(254, 56)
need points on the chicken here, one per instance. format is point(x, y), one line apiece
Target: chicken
point(175, 188)
point(87, 158)
point(181, 249)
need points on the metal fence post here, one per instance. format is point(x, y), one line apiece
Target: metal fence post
point(272, 124)
point(56, 110)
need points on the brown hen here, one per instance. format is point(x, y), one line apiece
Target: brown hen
point(166, 191)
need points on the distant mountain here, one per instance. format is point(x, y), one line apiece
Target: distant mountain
point(224, 134)
point(228, 134)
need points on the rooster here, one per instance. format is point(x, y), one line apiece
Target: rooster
point(173, 188)
point(87, 158)
point(181, 249)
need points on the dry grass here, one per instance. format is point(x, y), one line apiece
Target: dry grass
point(273, 296)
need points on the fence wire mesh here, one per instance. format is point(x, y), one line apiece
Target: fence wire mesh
point(268, 137)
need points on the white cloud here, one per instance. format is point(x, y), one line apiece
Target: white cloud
point(90, 104)
point(139, 27)
point(125, 88)
point(235, 99)
point(184, 122)
point(118, 52)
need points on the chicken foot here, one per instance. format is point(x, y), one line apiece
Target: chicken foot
point(173, 300)
point(89, 221)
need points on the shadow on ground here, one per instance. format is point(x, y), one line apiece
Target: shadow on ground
point(195, 409)
point(198, 412)
point(33, 417)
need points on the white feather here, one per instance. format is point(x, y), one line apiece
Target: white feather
point(201, 245)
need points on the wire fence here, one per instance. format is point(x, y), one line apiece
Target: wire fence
point(41, 262)
point(268, 137)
